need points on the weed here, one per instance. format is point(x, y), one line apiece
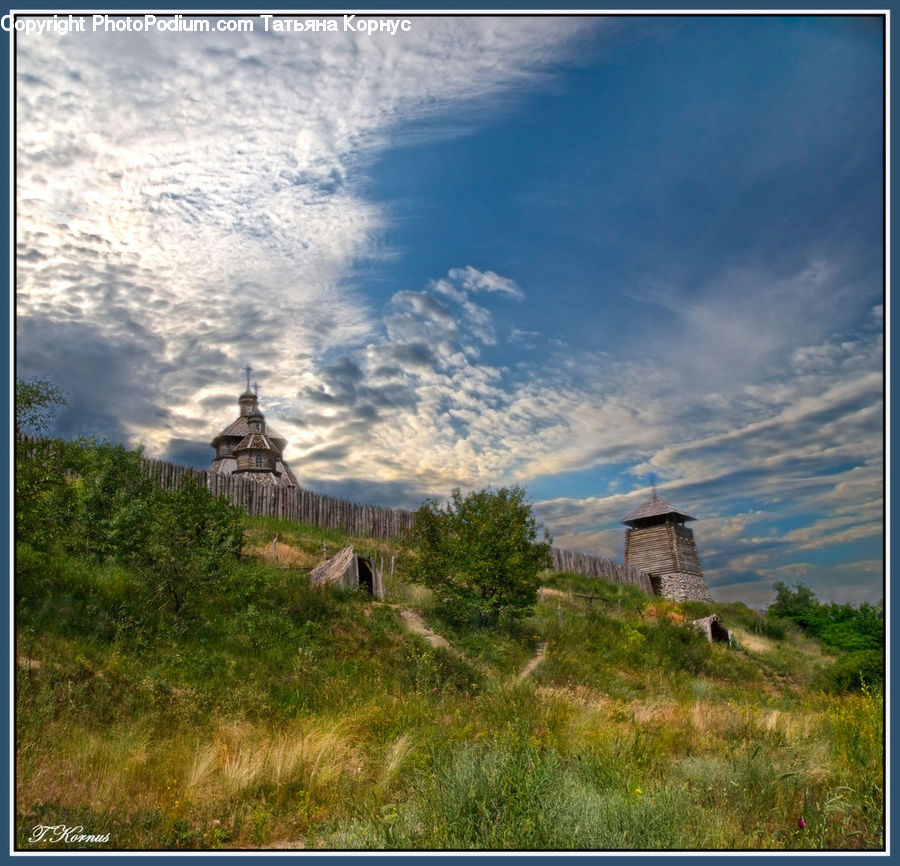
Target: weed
point(272, 710)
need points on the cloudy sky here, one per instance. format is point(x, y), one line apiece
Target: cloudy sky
point(574, 253)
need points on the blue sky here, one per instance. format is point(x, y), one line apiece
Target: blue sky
point(574, 253)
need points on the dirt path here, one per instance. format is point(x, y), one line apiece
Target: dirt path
point(415, 623)
point(538, 657)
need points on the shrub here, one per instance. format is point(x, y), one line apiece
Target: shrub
point(43, 500)
point(36, 402)
point(854, 671)
point(480, 553)
point(114, 500)
point(182, 540)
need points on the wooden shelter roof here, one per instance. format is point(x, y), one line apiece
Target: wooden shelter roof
point(655, 506)
point(333, 570)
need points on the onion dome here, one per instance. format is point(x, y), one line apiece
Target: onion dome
point(249, 447)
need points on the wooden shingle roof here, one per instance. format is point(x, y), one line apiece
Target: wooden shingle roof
point(655, 506)
point(240, 428)
point(255, 441)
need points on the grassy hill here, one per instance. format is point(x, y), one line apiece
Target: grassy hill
point(269, 714)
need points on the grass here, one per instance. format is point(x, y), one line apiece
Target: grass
point(270, 714)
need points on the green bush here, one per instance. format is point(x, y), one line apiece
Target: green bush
point(185, 540)
point(854, 671)
point(480, 554)
point(841, 626)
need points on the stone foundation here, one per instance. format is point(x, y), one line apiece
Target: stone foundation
point(681, 586)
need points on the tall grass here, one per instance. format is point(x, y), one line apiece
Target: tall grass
point(273, 714)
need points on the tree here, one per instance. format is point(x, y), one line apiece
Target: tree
point(36, 402)
point(839, 625)
point(181, 540)
point(114, 496)
point(796, 604)
point(480, 553)
point(42, 494)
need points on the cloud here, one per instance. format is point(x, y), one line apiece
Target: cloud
point(185, 206)
point(206, 192)
point(409, 356)
point(473, 280)
point(188, 452)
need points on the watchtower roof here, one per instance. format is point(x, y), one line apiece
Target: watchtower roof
point(655, 509)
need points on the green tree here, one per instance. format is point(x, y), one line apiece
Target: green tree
point(114, 498)
point(857, 632)
point(37, 400)
point(182, 541)
point(480, 554)
point(43, 497)
point(797, 604)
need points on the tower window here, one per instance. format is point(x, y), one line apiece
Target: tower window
point(257, 460)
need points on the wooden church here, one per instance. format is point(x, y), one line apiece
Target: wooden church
point(659, 544)
point(250, 448)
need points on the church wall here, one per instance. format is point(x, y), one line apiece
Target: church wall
point(246, 461)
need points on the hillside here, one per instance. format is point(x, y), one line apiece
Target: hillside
point(268, 714)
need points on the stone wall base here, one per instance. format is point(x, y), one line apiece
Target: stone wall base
point(681, 586)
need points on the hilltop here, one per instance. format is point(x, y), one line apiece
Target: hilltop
point(269, 714)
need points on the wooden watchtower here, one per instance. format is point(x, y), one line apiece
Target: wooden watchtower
point(659, 544)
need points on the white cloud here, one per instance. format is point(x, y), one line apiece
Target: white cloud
point(474, 280)
point(187, 205)
point(205, 189)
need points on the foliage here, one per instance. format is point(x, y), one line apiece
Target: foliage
point(36, 402)
point(840, 626)
point(480, 553)
point(857, 631)
point(271, 713)
point(855, 671)
point(114, 499)
point(182, 540)
point(42, 499)
point(95, 499)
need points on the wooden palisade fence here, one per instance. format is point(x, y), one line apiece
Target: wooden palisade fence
point(299, 506)
point(329, 512)
point(596, 566)
point(375, 521)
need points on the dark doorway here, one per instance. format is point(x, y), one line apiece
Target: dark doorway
point(365, 574)
point(718, 632)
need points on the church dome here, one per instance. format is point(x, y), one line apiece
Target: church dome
point(249, 447)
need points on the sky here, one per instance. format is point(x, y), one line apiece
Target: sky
point(577, 253)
